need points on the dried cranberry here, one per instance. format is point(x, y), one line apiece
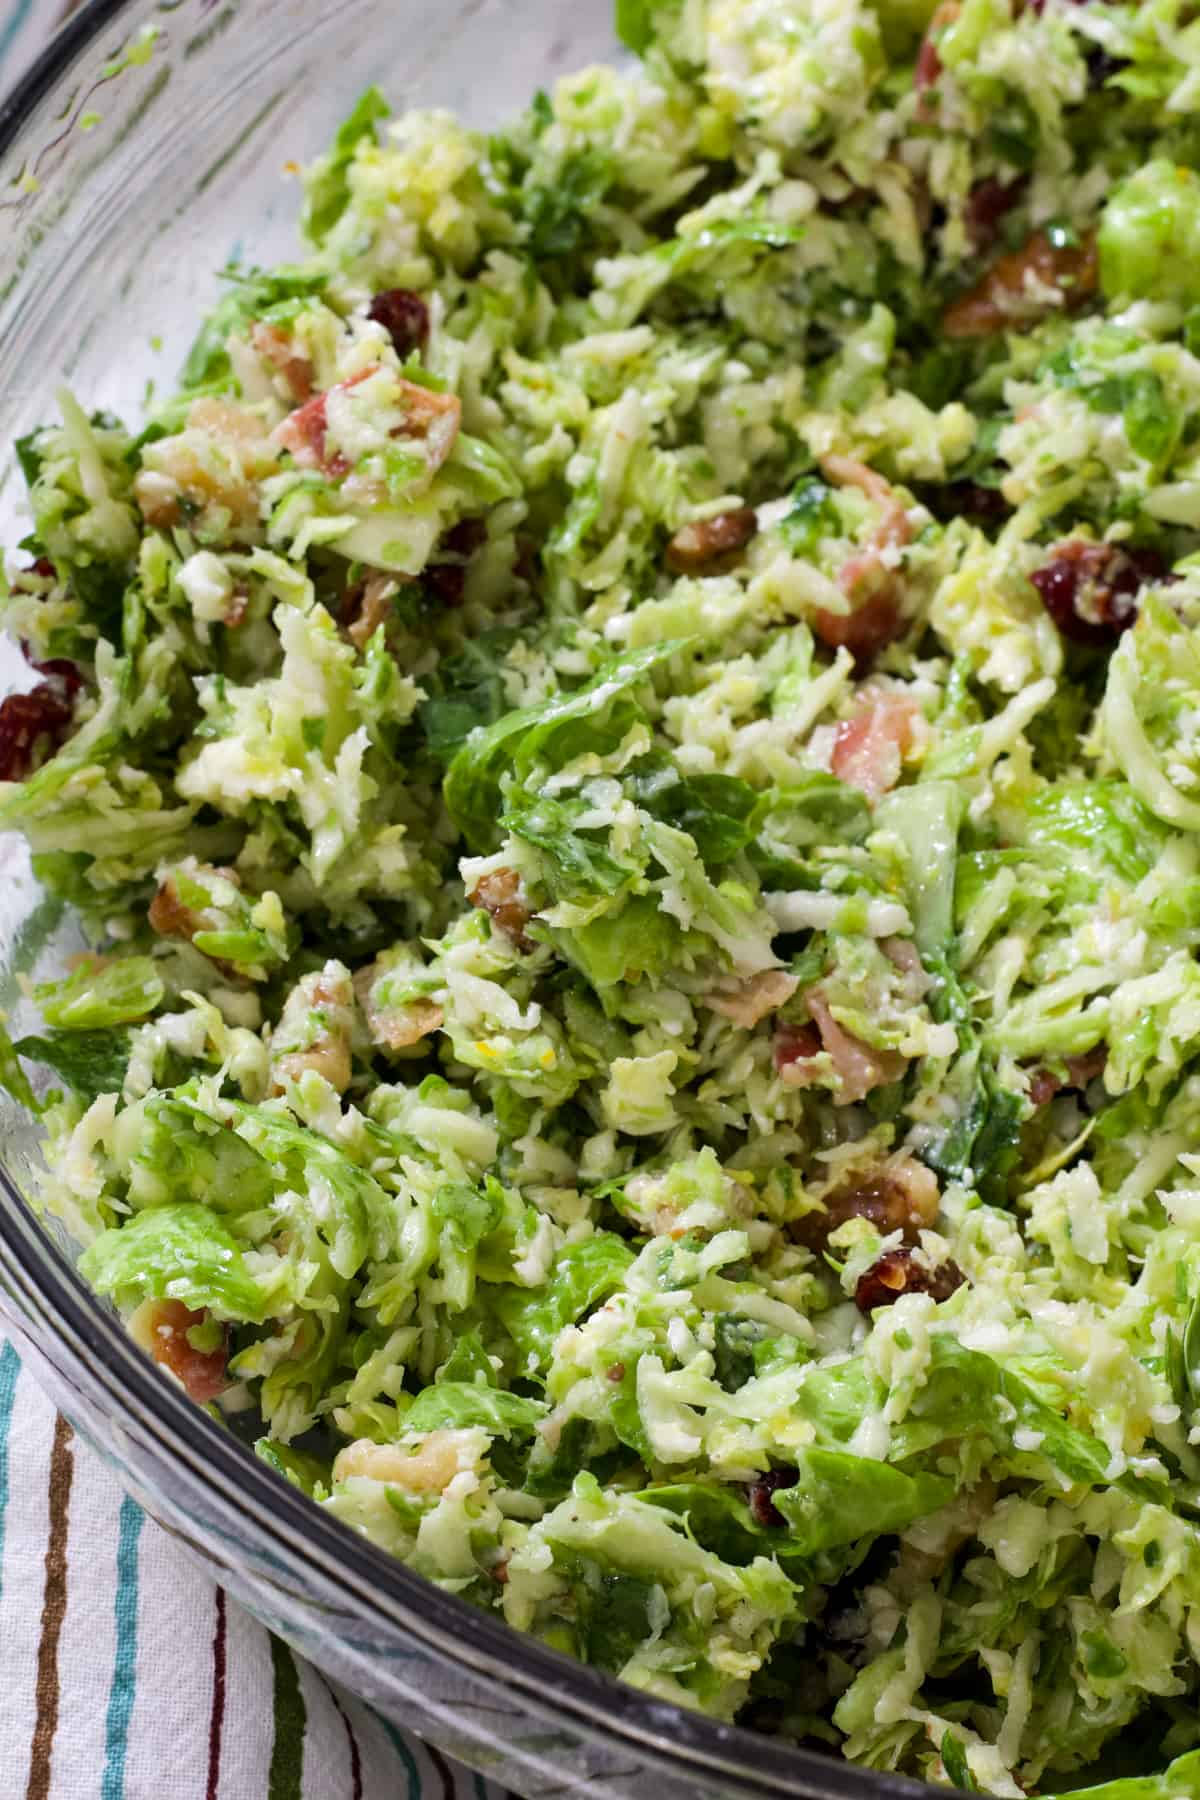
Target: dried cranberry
point(65, 677)
point(1043, 1086)
point(448, 579)
point(988, 202)
point(465, 538)
point(43, 567)
point(1090, 590)
point(1084, 1068)
point(405, 318)
point(350, 604)
point(1101, 67)
point(898, 1272)
point(970, 500)
point(758, 1495)
point(30, 723)
point(526, 566)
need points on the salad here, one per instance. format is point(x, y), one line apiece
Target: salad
point(627, 744)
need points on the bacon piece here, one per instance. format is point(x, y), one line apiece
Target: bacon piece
point(1090, 590)
point(928, 70)
point(903, 954)
point(501, 896)
point(859, 1067)
point(164, 1333)
point(868, 749)
point(875, 620)
point(303, 431)
point(759, 1497)
point(899, 1272)
point(279, 348)
point(432, 418)
point(901, 1194)
point(866, 631)
point(754, 998)
point(794, 1048)
point(404, 316)
point(705, 541)
point(1012, 291)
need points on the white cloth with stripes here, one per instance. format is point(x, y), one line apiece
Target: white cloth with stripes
point(114, 1645)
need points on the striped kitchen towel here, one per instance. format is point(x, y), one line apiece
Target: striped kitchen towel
point(128, 1674)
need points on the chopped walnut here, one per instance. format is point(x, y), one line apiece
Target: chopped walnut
point(171, 917)
point(429, 1468)
point(501, 895)
point(1024, 286)
point(395, 1027)
point(160, 1327)
point(314, 1031)
point(901, 1194)
point(212, 466)
point(706, 541)
point(367, 606)
point(859, 1067)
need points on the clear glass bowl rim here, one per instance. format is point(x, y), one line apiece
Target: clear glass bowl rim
point(384, 1589)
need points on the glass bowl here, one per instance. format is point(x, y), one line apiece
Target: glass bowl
point(148, 145)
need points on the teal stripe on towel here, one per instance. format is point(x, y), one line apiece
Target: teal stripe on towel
point(10, 1368)
point(12, 25)
point(124, 1676)
point(406, 1757)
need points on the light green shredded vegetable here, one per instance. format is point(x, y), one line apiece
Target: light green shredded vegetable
point(628, 743)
